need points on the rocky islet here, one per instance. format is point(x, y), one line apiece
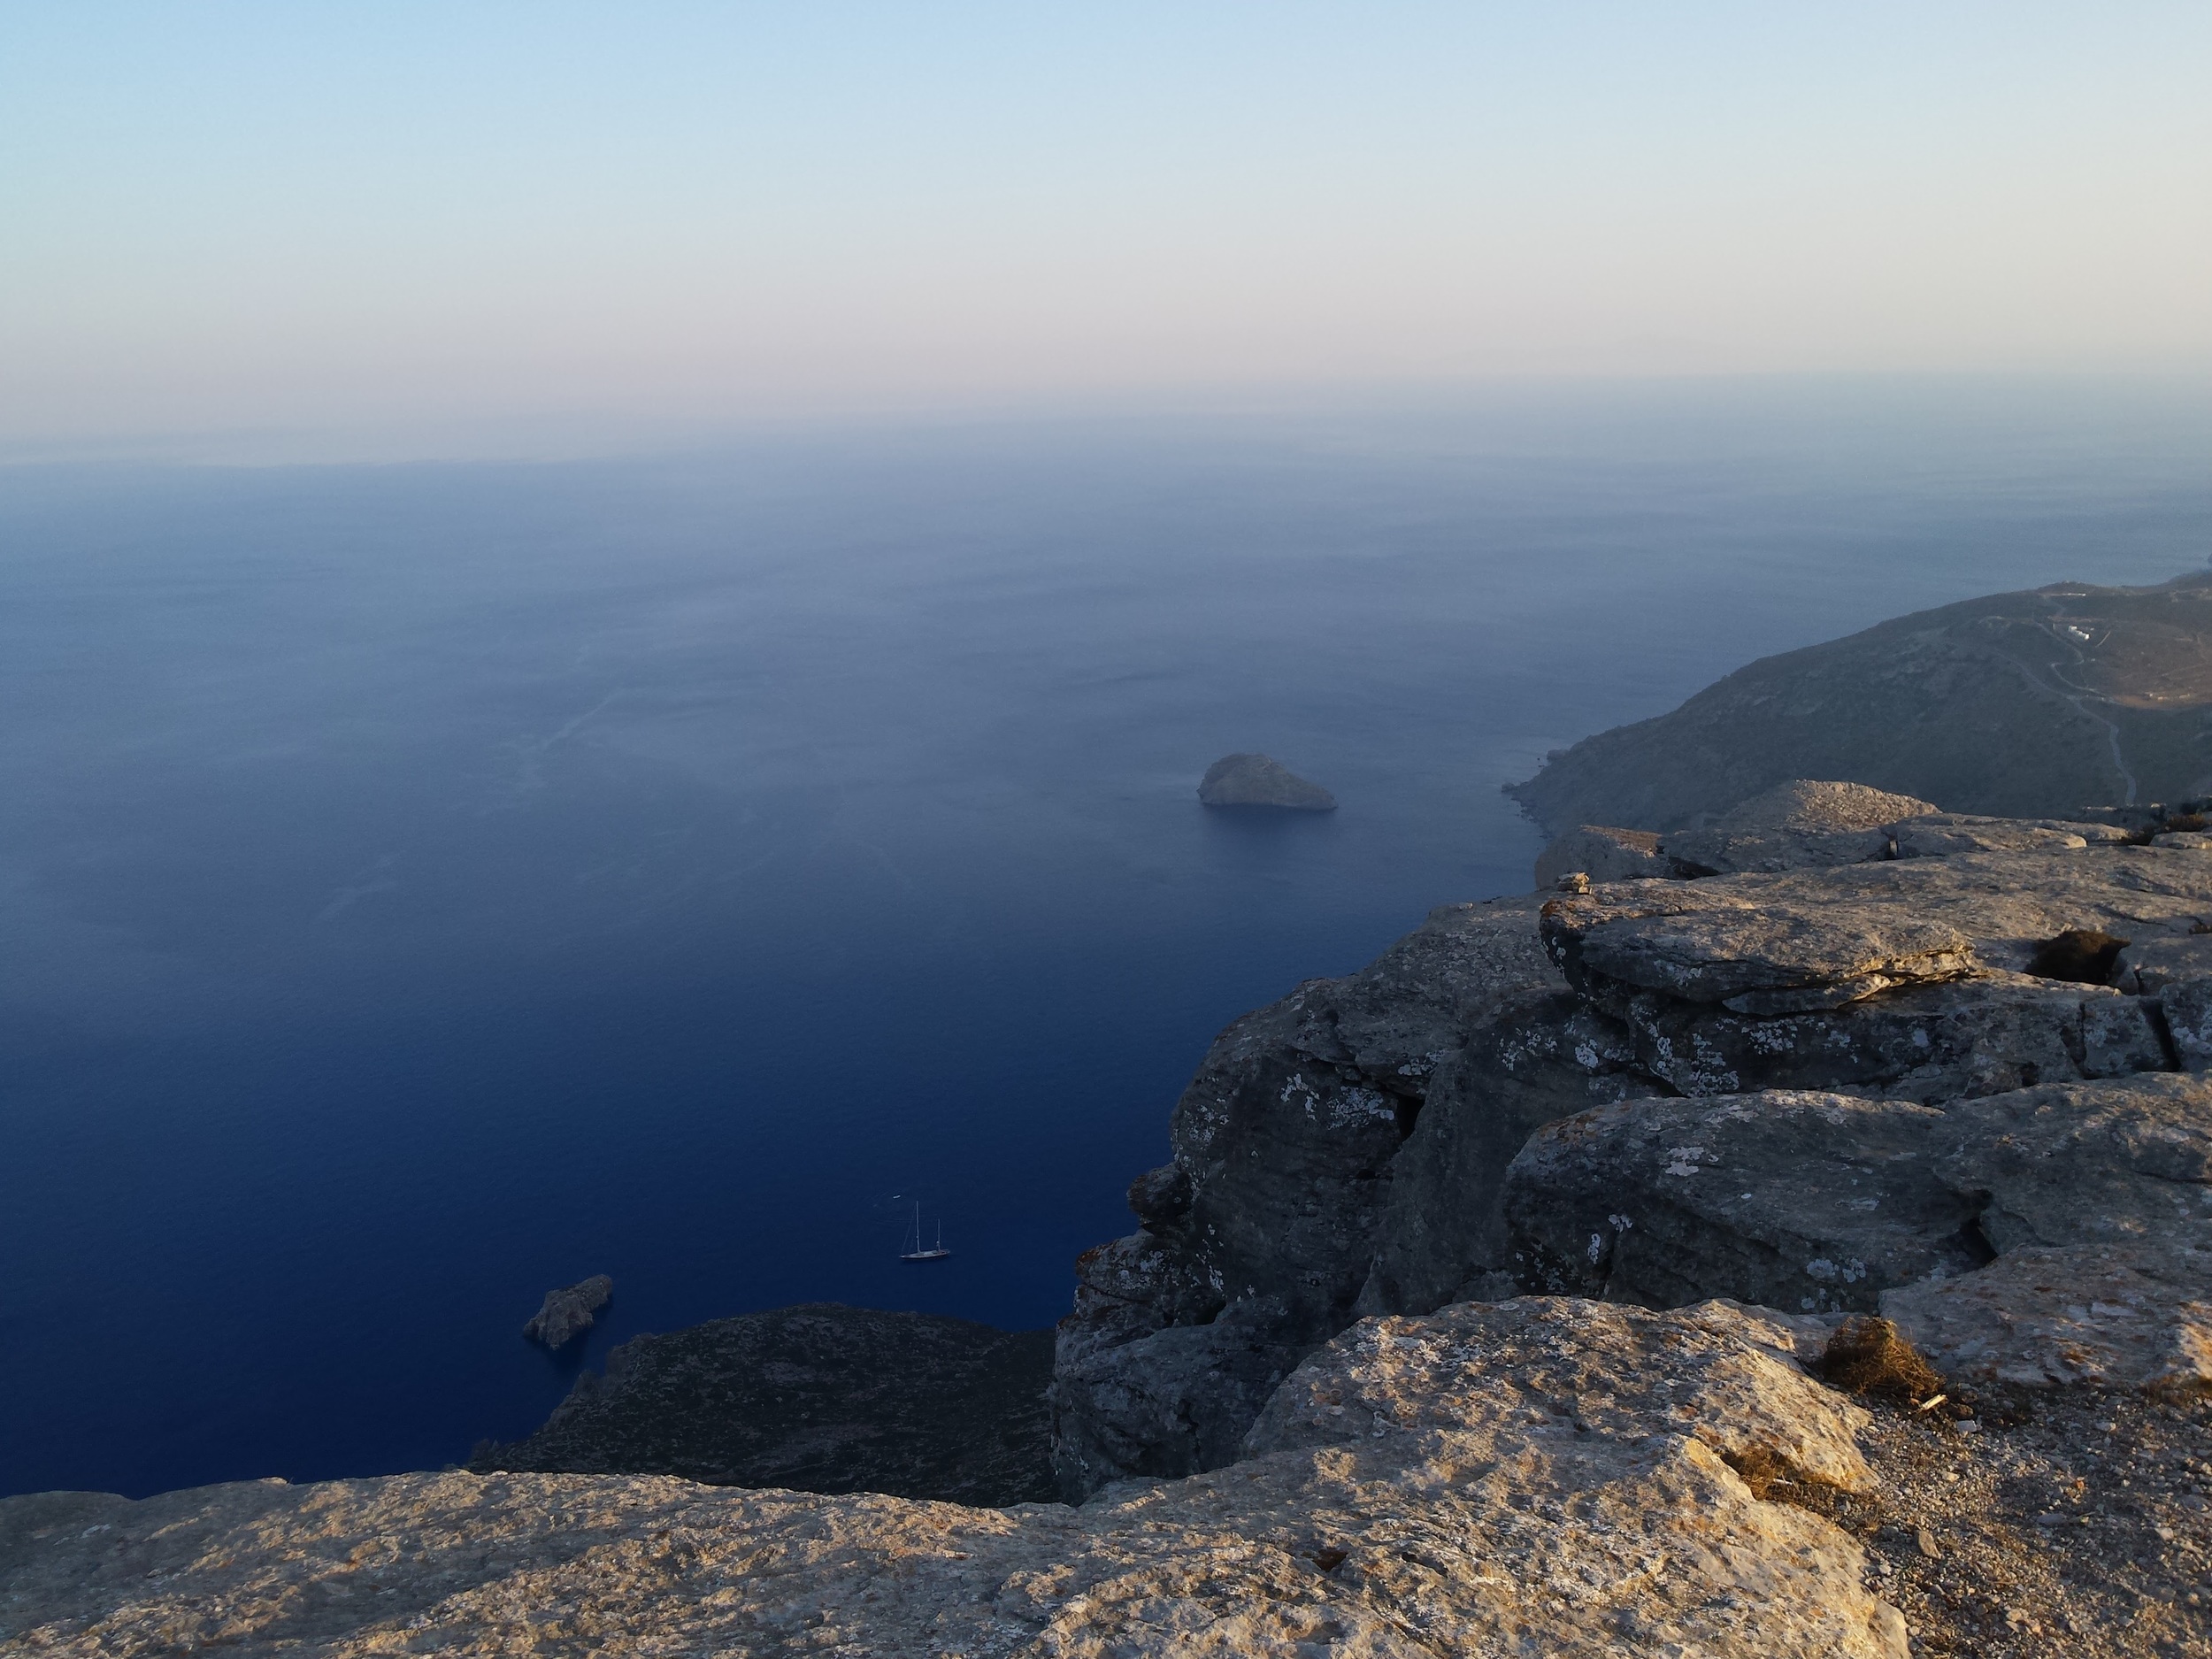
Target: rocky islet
point(1260, 782)
point(569, 1311)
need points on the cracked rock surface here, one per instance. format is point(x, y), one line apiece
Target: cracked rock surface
point(1461, 1530)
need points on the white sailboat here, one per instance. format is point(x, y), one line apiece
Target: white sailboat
point(935, 1253)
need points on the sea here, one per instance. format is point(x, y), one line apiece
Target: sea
point(424, 885)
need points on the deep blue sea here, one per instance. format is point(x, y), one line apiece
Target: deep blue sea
point(421, 885)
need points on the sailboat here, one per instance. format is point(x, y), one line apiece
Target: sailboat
point(935, 1253)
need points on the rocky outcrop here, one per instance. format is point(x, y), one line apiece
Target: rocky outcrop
point(2130, 1316)
point(1807, 825)
point(1255, 780)
point(1265, 1223)
point(817, 1398)
point(1823, 1026)
point(1800, 825)
point(1548, 1480)
point(570, 1311)
point(1603, 853)
point(2025, 705)
point(1830, 1202)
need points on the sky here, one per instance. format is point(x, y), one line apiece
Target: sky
point(473, 225)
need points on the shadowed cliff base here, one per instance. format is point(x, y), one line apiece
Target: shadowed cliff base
point(2020, 705)
point(816, 1398)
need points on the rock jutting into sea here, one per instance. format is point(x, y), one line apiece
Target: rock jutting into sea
point(2022, 705)
point(567, 1313)
point(816, 1398)
point(1255, 781)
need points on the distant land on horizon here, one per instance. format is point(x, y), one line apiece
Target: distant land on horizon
point(2017, 704)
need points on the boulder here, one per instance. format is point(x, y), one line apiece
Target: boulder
point(1255, 780)
point(570, 1311)
point(1802, 824)
point(1820, 1202)
point(2086, 1163)
point(1941, 834)
point(1603, 853)
point(1930, 1043)
point(1757, 952)
point(1811, 1202)
point(2121, 1316)
point(1728, 1375)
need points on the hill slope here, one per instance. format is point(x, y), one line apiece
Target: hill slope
point(2022, 705)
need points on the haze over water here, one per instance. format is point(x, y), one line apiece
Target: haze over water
point(427, 884)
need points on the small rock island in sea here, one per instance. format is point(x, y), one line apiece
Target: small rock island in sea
point(567, 1313)
point(1245, 780)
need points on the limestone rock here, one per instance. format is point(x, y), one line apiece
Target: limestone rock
point(1757, 952)
point(1940, 834)
point(1805, 1202)
point(820, 1397)
point(2123, 1315)
point(1255, 780)
point(1276, 1190)
point(1828, 1202)
point(1930, 1043)
point(1603, 853)
point(2029, 704)
point(1800, 825)
point(2086, 1163)
point(1344, 1153)
point(1441, 1236)
point(1458, 1531)
point(1726, 1374)
point(2178, 972)
point(567, 1313)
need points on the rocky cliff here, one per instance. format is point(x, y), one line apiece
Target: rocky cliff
point(2019, 704)
point(1810, 1258)
point(1789, 1086)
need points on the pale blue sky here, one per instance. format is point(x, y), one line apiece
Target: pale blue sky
point(449, 218)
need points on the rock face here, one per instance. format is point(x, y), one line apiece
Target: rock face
point(2116, 1316)
point(1258, 1241)
point(1255, 781)
point(819, 1398)
point(1603, 853)
point(1540, 1478)
point(2025, 705)
point(1825, 1203)
point(1799, 824)
point(1812, 1086)
point(567, 1313)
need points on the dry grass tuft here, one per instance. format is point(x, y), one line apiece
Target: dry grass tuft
point(1868, 1358)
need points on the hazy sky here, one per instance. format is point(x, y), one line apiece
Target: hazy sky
point(441, 217)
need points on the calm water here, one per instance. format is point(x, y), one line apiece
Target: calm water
point(421, 885)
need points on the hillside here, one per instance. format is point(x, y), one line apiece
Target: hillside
point(2021, 705)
